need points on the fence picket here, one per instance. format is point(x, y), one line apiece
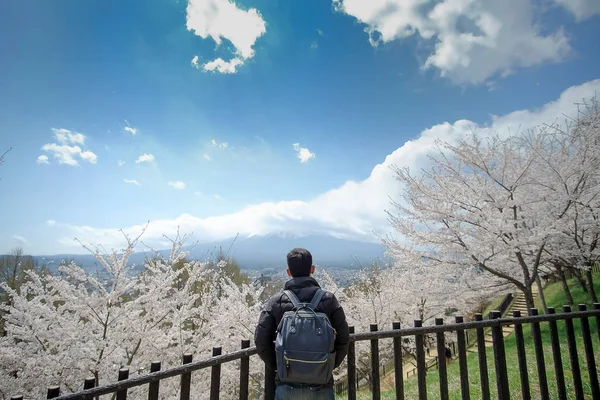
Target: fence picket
point(539, 356)
point(375, 384)
point(589, 354)
point(462, 360)
point(573, 356)
point(351, 367)
point(441, 350)
point(522, 357)
point(244, 372)
point(215, 376)
point(398, 373)
point(499, 358)
point(123, 375)
point(483, 370)
point(421, 367)
point(558, 367)
point(154, 386)
point(186, 379)
point(53, 392)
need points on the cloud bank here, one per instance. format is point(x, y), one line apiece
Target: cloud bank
point(355, 210)
point(469, 41)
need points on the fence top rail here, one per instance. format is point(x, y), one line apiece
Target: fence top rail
point(156, 376)
point(384, 334)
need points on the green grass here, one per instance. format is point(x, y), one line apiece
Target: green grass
point(554, 297)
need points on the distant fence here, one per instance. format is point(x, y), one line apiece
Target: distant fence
point(500, 391)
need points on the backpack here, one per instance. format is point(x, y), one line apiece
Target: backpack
point(305, 343)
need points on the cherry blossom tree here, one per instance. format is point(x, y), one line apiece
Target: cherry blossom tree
point(504, 206)
point(570, 160)
point(62, 329)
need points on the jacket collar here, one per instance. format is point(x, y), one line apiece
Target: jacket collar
point(301, 282)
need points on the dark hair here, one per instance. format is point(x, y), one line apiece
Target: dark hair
point(299, 262)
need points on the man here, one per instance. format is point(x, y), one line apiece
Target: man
point(300, 268)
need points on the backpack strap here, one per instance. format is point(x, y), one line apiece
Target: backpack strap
point(293, 298)
point(317, 298)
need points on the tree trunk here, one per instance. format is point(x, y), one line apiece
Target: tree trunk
point(565, 286)
point(577, 274)
point(541, 293)
point(589, 279)
point(528, 298)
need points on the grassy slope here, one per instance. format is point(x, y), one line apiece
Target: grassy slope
point(554, 297)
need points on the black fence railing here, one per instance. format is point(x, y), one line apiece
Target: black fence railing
point(495, 323)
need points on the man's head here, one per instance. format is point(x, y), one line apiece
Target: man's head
point(299, 263)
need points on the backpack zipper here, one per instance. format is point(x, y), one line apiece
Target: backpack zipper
point(287, 359)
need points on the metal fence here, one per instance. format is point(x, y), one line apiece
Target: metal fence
point(488, 390)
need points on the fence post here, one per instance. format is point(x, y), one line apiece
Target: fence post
point(539, 356)
point(558, 367)
point(123, 375)
point(269, 383)
point(375, 390)
point(398, 373)
point(89, 383)
point(244, 372)
point(522, 357)
point(597, 307)
point(53, 391)
point(441, 350)
point(589, 354)
point(573, 356)
point(462, 359)
point(153, 387)
point(16, 398)
point(215, 376)
point(421, 367)
point(186, 379)
point(499, 358)
point(481, 353)
point(351, 366)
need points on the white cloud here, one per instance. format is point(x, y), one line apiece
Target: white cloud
point(149, 158)
point(132, 181)
point(354, 210)
point(303, 153)
point(50, 222)
point(89, 156)
point(216, 196)
point(581, 9)
point(67, 150)
point(473, 40)
point(65, 136)
point(177, 184)
point(121, 163)
point(206, 156)
point(223, 19)
point(66, 154)
point(222, 66)
point(222, 145)
point(130, 129)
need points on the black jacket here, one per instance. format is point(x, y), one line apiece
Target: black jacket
point(272, 313)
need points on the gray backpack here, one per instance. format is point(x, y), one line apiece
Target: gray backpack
point(305, 343)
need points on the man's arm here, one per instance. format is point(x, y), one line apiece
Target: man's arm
point(264, 336)
point(338, 321)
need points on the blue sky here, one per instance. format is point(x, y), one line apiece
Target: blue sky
point(356, 85)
